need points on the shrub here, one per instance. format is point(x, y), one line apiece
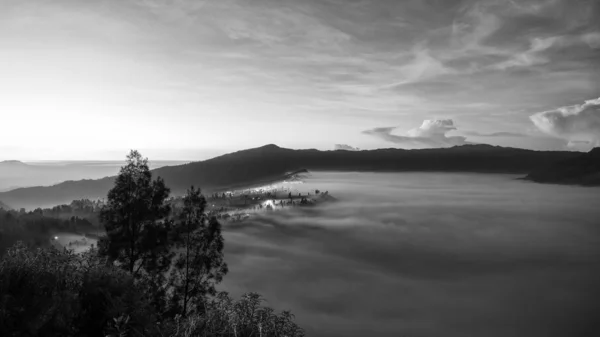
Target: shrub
point(51, 292)
point(245, 317)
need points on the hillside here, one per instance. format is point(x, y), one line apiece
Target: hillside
point(4, 207)
point(270, 162)
point(581, 170)
point(15, 174)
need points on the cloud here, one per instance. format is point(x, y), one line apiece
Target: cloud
point(576, 142)
point(592, 39)
point(432, 128)
point(494, 134)
point(579, 122)
point(579, 145)
point(432, 133)
point(477, 24)
point(423, 66)
point(430, 255)
point(358, 60)
point(345, 147)
point(531, 56)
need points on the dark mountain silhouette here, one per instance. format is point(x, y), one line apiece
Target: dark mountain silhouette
point(270, 163)
point(581, 170)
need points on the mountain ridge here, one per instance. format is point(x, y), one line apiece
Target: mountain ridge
point(271, 162)
point(582, 170)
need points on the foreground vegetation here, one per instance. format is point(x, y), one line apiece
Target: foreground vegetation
point(34, 228)
point(153, 274)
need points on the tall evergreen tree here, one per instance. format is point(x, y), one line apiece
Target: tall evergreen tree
point(199, 264)
point(136, 237)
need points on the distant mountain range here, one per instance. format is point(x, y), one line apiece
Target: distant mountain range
point(15, 174)
point(271, 163)
point(581, 170)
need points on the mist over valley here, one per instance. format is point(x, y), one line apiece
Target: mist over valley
point(428, 254)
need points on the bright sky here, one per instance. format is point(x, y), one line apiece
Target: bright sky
point(188, 79)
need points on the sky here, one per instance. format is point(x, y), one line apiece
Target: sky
point(191, 79)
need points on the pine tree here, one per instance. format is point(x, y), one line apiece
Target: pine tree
point(136, 237)
point(199, 264)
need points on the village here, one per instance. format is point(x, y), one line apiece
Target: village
point(239, 205)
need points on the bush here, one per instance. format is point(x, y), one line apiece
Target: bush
point(246, 317)
point(36, 292)
point(51, 292)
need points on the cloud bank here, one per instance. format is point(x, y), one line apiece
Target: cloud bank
point(576, 123)
point(494, 134)
point(426, 255)
point(345, 147)
point(432, 133)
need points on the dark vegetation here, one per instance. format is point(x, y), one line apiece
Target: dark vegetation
point(270, 163)
point(35, 228)
point(583, 169)
point(4, 206)
point(153, 274)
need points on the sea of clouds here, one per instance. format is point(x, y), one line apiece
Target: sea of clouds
point(416, 254)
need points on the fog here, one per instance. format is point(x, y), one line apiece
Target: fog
point(414, 254)
point(76, 242)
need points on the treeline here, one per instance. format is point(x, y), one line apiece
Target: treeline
point(35, 228)
point(153, 274)
point(82, 208)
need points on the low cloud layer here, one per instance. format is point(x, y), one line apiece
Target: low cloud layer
point(426, 255)
point(494, 134)
point(432, 133)
point(576, 123)
point(345, 147)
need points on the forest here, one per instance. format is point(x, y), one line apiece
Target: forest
point(154, 273)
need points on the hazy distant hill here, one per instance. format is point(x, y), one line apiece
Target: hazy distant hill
point(582, 170)
point(15, 174)
point(3, 206)
point(10, 171)
point(271, 162)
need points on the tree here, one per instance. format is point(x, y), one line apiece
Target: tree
point(136, 237)
point(52, 292)
point(199, 265)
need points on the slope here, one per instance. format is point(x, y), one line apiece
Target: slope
point(581, 170)
point(270, 162)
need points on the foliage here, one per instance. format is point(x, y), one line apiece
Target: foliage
point(51, 292)
point(199, 265)
point(246, 317)
point(135, 206)
point(36, 227)
point(37, 288)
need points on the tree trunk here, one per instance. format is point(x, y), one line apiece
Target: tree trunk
point(131, 246)
point(187, 270)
